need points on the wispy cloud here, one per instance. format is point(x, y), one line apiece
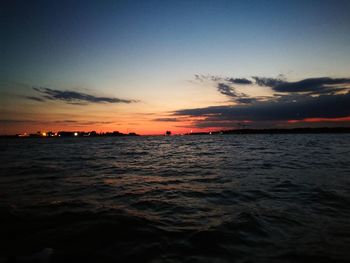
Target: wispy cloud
point(241, 81)
point(15, 121)
point(203, 77)
point(74, 97)
point(238, 97)
point(214, 78)
point(35, 98)
point(224, 86)
point(268, 82)
point(46, 122)
point(166, 119)
point(227, 90)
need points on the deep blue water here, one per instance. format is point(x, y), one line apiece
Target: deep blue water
point(224, 198)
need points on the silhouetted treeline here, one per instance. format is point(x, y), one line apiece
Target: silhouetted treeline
point(279, 131)
point(94, 134)
point(237, 131)
point(40, 134)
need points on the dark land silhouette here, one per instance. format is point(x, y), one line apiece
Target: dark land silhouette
point(168, 133)
point(50, 134)
point(278, 131)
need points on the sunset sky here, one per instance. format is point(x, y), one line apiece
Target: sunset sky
point(152, 66)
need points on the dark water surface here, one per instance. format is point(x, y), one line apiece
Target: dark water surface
point(229, 198)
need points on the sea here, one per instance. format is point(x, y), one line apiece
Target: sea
point(205, 198)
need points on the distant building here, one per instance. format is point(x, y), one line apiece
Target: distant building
point(65, 134)
point(168, 133)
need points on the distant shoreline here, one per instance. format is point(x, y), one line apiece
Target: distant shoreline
point(322, 130)
point(279, 131)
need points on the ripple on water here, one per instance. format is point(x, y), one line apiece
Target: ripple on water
point(256, 198)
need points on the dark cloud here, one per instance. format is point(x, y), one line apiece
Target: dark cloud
point(81, 123)
point(268, 82)
point(78, 103)
point(166, 119)
point(323, 85)
point(73, 97)
point(202, 77)
point(240, 98)
point(35, 98)
point(14, 121)
point(323, 97)
point(242, 81)
point(227, 90)
point(324, 106)
point(317, 85)
point(66, 122)
point(223, 85)
point(208, 77)
point(198, 77)
point(222, 124)
point(246, 100)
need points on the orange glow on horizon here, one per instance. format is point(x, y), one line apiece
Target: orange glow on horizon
point(314, 120)
point(142, 127)
point(146, 127)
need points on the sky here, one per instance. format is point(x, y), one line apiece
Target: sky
point(152, 66)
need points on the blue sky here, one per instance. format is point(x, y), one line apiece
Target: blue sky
point(149, 51)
